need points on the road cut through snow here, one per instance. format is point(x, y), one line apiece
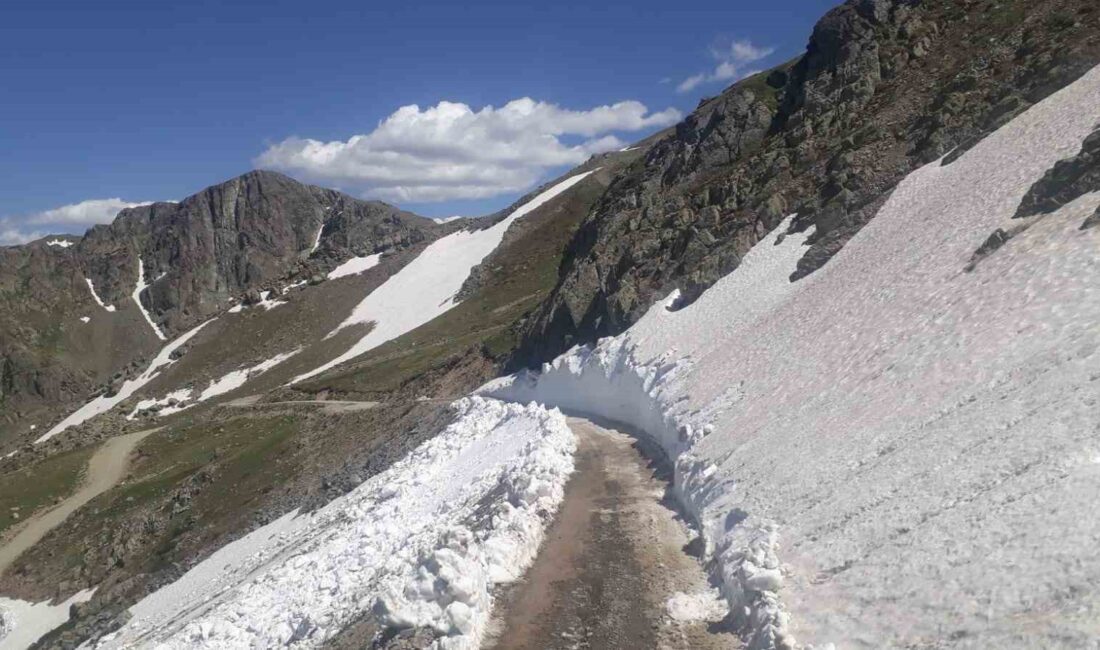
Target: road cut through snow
point(615, 569)
point(893, 451)
point(422, 544)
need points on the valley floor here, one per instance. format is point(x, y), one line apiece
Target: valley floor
point(617, 568)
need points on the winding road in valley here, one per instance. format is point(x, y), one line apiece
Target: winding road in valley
point(613, 559)
point(106, 468)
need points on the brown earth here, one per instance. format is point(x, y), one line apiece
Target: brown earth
point(613, 557)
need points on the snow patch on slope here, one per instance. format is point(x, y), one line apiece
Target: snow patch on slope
point(910, 428)
point(266, 301)
point(22, 623)
point(355, 266)
point(425, 287)
point(95, 296)
point(138, 289)
point(317, 239)
point(60, 243)
point(183, 398)
point(103, 403)
point(421, 544)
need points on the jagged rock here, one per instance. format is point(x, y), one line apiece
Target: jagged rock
point(884, 86)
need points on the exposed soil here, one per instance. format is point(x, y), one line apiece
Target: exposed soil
point(105, 469)
point(614, 556)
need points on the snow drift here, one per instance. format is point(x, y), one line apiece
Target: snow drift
point(421, 544)
point(903, 450)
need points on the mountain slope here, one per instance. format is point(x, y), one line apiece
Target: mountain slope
point(884, 87)
point(159, 270)
point(894, 452)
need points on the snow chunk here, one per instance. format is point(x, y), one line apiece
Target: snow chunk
point(691, 608)
point(354, 266)
point(422, 543)
point(103, 403)
point(95, 296)
point(22, 623)
point(426, 286)
point(85, 319)
point(140, 287)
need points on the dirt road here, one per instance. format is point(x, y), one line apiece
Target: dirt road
point(106, 468)
point(612, 560)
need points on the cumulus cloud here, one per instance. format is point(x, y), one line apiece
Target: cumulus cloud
point(85, 213)
point(733, 61)
point(66, 218)
point(450, 151)
point(12, 235)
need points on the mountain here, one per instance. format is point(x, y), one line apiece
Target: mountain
point(846, 310)
point(884, 87)
point(259, 231)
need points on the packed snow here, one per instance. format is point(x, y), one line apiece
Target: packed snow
point(425, 287)
point(355, 266)
point(138, 289)
point(22, 623)
point(85, 319)
point(893, 451)
point(60, 243)
point(103, 403)
point(420, 544)
point(184, 398)
point(95, 296)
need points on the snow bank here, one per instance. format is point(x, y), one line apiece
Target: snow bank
point(421, 544)
point(916, 436)
point(425, 287)
point(95, 296)
point(138, 289)
point(103, 403)
point(355, 266)
point(22, 623)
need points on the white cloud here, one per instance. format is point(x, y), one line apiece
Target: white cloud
point(85, 213)
point(450, 151)
point(12, 235)
point(733, 61)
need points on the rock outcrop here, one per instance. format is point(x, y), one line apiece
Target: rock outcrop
point(227, 241)
point(884, 87)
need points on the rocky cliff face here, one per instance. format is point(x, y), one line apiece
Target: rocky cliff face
point(883, 87)
point(227, 241)
point(235, 236)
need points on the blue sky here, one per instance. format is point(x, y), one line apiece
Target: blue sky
point(155, 100)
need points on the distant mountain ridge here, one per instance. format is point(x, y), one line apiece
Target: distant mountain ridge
point(222, 243)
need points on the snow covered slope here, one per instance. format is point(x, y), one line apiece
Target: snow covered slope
point(105, 403)
point(892, 452)
point(425, 288)
point(420, 544)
